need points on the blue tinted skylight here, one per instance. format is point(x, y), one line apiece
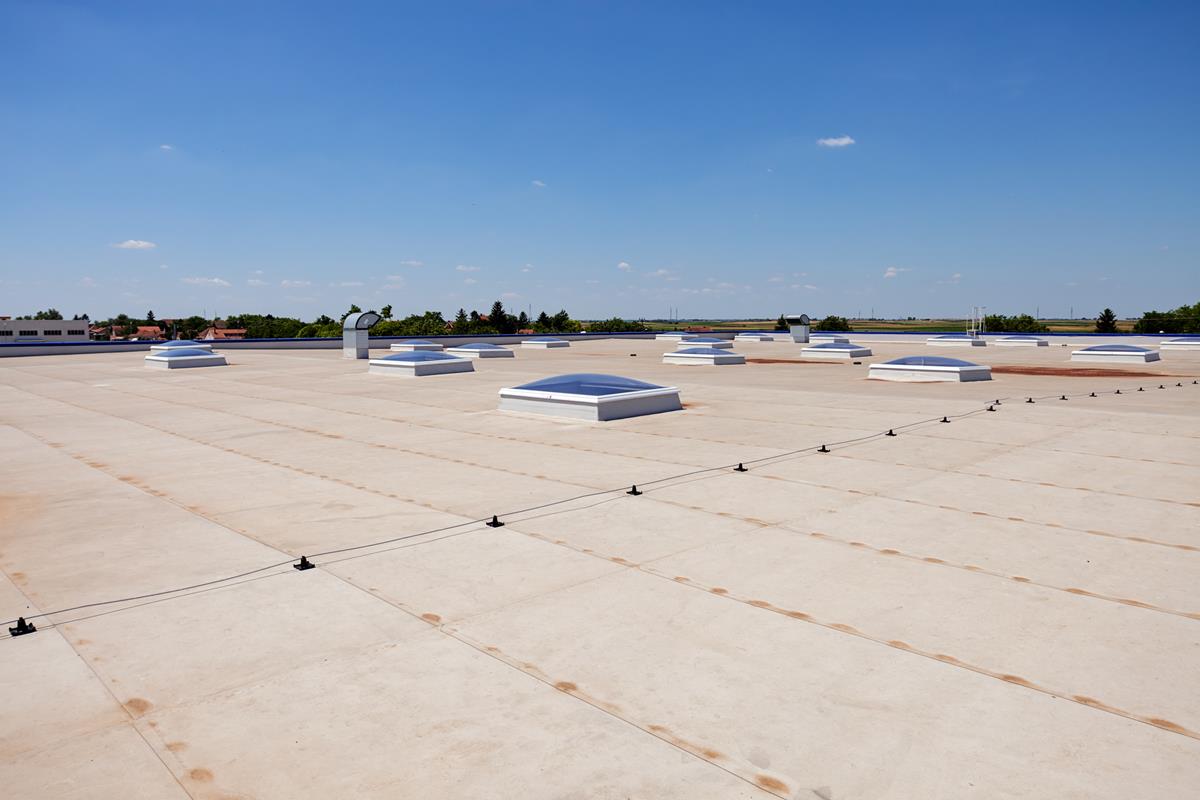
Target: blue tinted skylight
point(1119, 348)
point(702, 351)
point(931, 361)
point(180, 343)
point(415, 341)
point(588, 383)
point(544, 339)
point(420, 355)
point(1021, 338)
point(180, 352)
point(479, 346)
point(835, 346)
point(954, 336)
point(705, 339)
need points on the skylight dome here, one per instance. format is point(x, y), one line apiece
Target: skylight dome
point(675, 335)
point(590, 396)
point(544, 343)
point(955, 340)
point(712, 356)
point(929, 368)
point(1116, 354)
point(706, 341)
point(1020, 341)
point(480, 350)
point(829, 337)
point(184, 358)
point(180, 344)
point(754, 336)
point(409, 345)
point(1182, 343)
point(836, 350)
point(419, 363)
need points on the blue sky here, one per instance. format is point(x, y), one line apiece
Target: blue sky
point(609, 158)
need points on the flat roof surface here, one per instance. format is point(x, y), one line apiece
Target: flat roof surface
point(1007, 605)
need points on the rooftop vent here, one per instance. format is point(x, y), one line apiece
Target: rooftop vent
point(480, 350)
point(799, 325)
point(419, 363)
point(180, 344)
point(712, 356)
point(590, 396)
point(356, 333)
point(844, 350)
point(409, 345)
point(1116, 353)
point(955, 340)
point(544, 343)
point(1020, 341)
point(929, 368)
point(184, 358)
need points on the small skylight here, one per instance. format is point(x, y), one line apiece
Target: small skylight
point(1117, 348)
point(833, 346)
point(588, 383)
point(931, 361)
point(478, 346)
point(702, 351)
point(419, 355)
point(184, 352)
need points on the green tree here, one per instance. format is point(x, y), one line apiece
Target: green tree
point(353, 310)
point(781, 323)
point(149, 317)
point(542, 323)
point(1106, 322)
point(1022, 323)
point(1185, 319)
point(522, 321)
point(386, 311)
point(833, 323)
point(50, 313)
point(462, 323)
point(615, 325)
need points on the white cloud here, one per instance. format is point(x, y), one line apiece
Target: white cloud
point(955, 278)
point(256, 282)
point(835, 141)
point(257, 272)
point(289, 284)
point(465, 268)
point(659, 273)
point(470, 281)
point(163, 266)
point(135, 244)
point(412, 262)
point(775, 279)
point(87, 283)
point(527, 268)
point(591, 282)
point(347, 284)
point(624, 266)
point(394, 282)
point(892, 272)
point(165, 147)
point(538, 184)
point(220, 282)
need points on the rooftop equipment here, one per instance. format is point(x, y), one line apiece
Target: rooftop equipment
point(799, 324)
point(955, 340)
point(929, 368)
point(418, 364)
point(356, 334)
point(1116, 353)
point(409, 345)
point(1181, 343)
point(710, 356)
point(1020, 341)
point(544, 343)
point(480, 350)
point(707, 341)
point(184, 358)
point(845, 350)
point(591, 397)
point(179, 344)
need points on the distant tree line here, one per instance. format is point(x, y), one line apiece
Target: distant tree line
point(1185, 319)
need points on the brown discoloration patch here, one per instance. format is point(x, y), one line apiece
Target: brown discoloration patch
point(177, 747)
point(1017, 679)
point(949, 659)
point(933, 560)
point(841, 626)
point(900, 644)
point(1094, 703)
point(200, 775)
point(433, 618)
point(1076, 372)
point(619, 560)
point(137, 706)
point(887, 551)
point(709, 753)
point(858, 544)
point(566, 686)
point(719, 590)
point(771, 784)
point(1137, 603)
point(1166, 724)
point(759, 603)
point(1074, 590)
point(798, 615)
point(681, 578)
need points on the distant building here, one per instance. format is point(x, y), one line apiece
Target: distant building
point(145, 332)
point(212, 332)
point(43, 330)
